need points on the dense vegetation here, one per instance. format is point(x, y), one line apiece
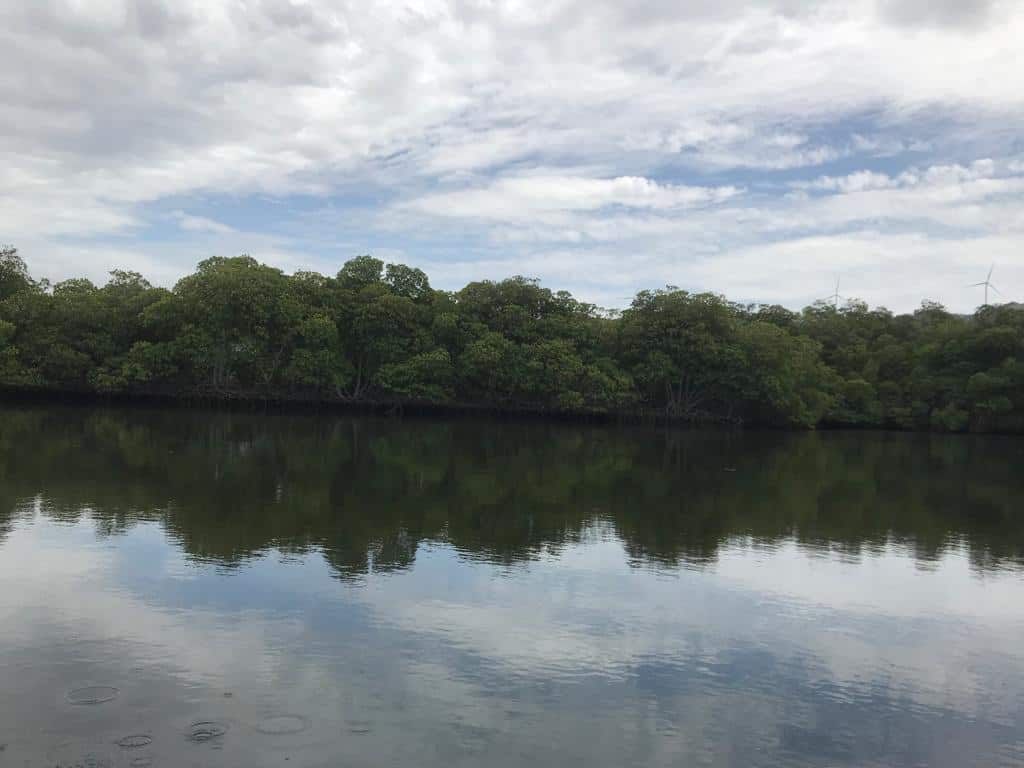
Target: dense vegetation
point(376, 333)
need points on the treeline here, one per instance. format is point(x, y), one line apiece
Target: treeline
point(379, 333)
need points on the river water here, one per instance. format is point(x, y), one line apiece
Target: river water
point(201, 588)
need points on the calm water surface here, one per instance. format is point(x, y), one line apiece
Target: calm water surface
point(206, 589)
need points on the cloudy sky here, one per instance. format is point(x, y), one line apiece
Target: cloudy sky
point(759, 148)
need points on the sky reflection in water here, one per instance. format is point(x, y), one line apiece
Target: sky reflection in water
point(259, 590)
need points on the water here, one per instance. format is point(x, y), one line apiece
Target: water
point(205, 589)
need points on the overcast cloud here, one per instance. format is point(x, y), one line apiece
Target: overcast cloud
point(759, 149)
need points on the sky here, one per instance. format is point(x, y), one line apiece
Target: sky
point(763, 149)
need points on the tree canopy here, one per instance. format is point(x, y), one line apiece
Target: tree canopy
point(380, 333)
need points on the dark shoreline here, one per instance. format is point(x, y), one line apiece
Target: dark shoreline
point(249, 402)
point(298, 403)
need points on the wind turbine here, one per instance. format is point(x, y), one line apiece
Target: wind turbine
point(987, 282)
point(835, 297)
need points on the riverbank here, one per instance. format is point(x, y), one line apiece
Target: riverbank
point(252, 401)
point(419, 409)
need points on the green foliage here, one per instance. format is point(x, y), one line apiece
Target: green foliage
point(380, 333)
point(781, 376)
point(12, 372)
point(317, 361)
point(950, 419)
point(857, 403)
point(360, 272)
point(551, 374)
point(426, 376)
point(148, 362)
point(489, 367)
point(685, 353)
point(14, 275)
point(407, 281)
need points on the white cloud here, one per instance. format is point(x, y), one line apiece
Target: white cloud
point(973, 198)
point(730, 145)
point(897, 240)
point(528, 122)
point(569, 631)
point(523, 197)
point(854, 182)
point(200, 224)
point(935, 176)
point(443, 648)
point(895, 270)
